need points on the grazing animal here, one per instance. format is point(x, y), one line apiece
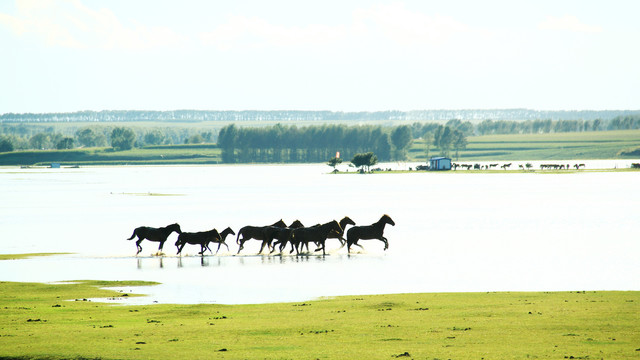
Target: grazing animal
point(505, 166)
point(154, 234)
point(368, 232)
point(258, 233)
point(317, 234)
point(202, 238)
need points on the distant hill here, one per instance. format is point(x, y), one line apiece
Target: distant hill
point(300, 115)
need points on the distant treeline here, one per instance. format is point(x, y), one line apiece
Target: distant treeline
point(305, 144)
point(296, 115)
point(290, 143)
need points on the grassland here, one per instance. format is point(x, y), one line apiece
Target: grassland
point(556, 146)
point(38, 322)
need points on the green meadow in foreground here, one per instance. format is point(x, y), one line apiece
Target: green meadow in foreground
point(54, 321)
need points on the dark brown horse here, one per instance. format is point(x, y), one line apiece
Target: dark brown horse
point(368, 232)
point(340, 236)
point(336, 234)
point(223, 236)
point(317, 234)
point(202, 238)
point(258, 233)
point(154, 234)
point(283, 235)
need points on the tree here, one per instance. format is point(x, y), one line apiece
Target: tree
point(195, 139)
point(122, 138)
point(227, 138)
point(383, 147)
point(39, 141)
point(364, 161)
point(459, 142)
point(90, 138)
point(401, 139)
point(154, 137)
point(6, 144)
point(443, 139)
point(335, 161)
point(65, 143)
point(428, 141)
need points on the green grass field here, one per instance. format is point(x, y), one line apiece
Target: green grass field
point(53, 321)
point(557, 146)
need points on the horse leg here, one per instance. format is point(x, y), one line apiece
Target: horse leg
point(220, 244)
point(138, 246)
point(386, 243)
point(241, 246)
point(264, 242)
point(180, 248)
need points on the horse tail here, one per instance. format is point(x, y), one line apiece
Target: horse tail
point(133, 235)
point(238, 237)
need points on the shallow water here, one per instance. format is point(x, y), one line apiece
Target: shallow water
point(454, 232)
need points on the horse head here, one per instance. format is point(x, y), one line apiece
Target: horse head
point(346, 221)
point(335, 226)
point(386, 219)
point(226, 232)
point(174, 227)
point(279, 223)
point(296, 224)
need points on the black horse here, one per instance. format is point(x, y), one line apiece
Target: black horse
point(317, 234)
point(154, 234)
point(223, 236)
point(282, 235)
point(340, 236)
point(368, 232)
point(202, 238)
point(258, 233)
point(335, 234)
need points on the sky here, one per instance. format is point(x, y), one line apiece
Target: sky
point(75, 55)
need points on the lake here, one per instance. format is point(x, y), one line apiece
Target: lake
point(455, 231)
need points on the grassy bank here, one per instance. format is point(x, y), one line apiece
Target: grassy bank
point(26, 256)
point(583, 145)
point(37, 321)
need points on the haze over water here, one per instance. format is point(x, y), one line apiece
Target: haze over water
point(454, 232)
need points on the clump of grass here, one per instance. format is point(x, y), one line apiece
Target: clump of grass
point(27, 255)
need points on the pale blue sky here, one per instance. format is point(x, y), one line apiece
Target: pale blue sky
point(59, 56)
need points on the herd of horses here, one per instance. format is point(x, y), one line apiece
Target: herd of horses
point(506, 166)
point(296, 235)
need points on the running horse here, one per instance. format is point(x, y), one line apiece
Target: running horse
point(340, 236)
point(282, 235)
point(317, 234)
point(369, 232)
point(258, 233)
point(202, 238)
point(154, 234)
point(223, 236)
